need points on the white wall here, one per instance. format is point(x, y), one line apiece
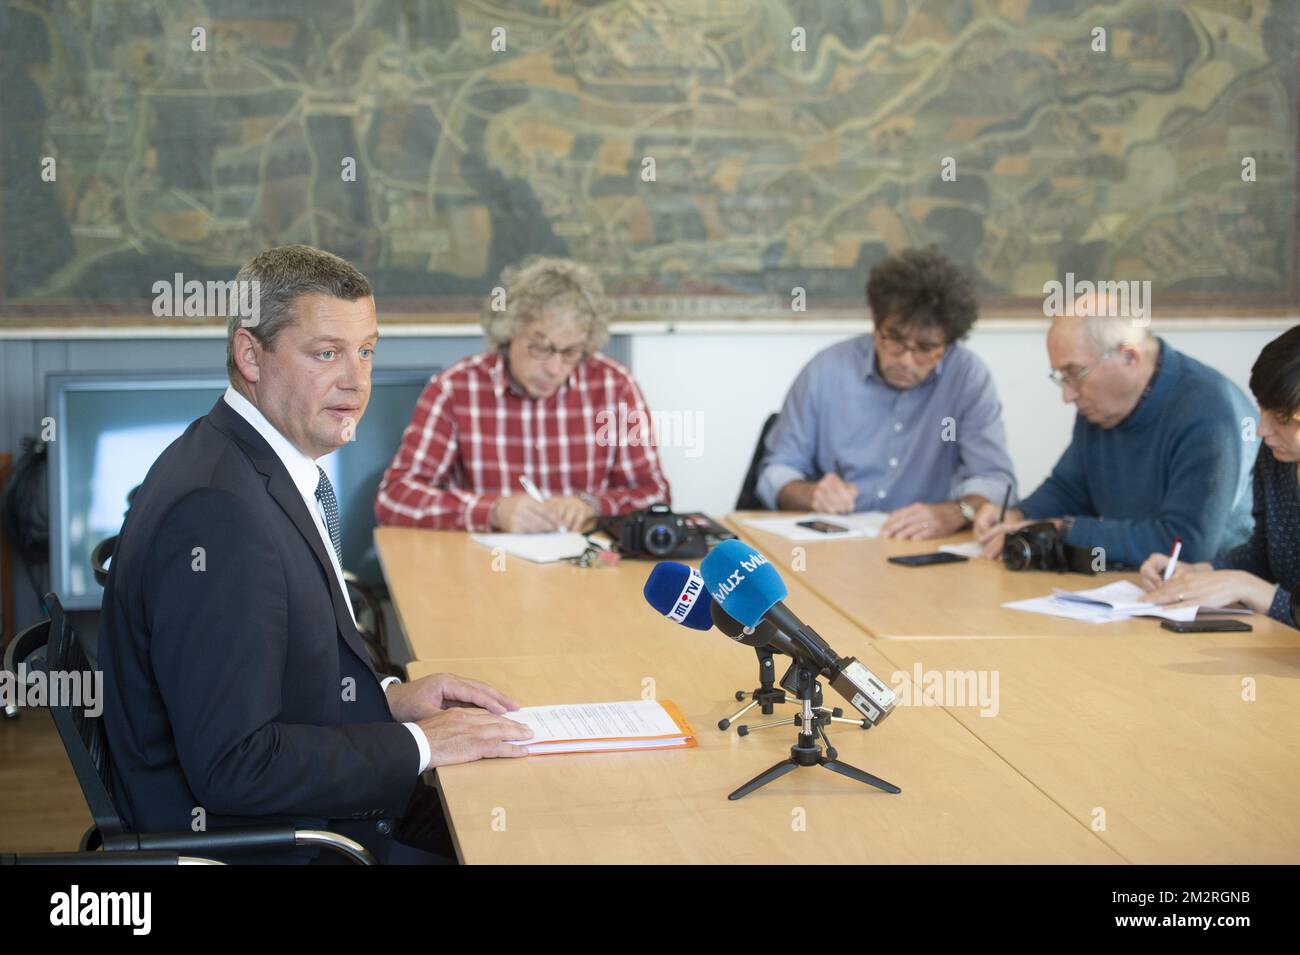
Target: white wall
point(734, 379)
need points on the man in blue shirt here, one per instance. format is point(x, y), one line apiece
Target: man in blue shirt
point(1162, 448)
point(905, 419)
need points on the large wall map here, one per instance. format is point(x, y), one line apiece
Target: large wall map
point(793, 144)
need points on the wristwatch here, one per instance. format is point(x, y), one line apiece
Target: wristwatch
point(967, 510)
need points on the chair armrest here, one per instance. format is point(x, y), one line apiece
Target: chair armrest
point(102, 858)
point(240, 841)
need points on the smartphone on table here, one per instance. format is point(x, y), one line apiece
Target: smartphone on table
point(927, 560)
point(823, 527)
point(1208, 625)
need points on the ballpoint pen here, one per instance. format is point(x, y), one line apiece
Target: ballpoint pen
point(536, 495)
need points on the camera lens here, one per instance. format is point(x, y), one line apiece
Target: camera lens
point(1016, 553)
point(660, 539)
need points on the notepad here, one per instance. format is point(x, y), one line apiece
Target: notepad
point(539, 548)
point(604, 727)
point(1118, 600)
point(863, 524)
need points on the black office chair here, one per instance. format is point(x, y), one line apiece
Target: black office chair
point(102, 858)
point(99, 558)
point(86, 744)
point(371, 625)
point(748, 499)
point(27, 648)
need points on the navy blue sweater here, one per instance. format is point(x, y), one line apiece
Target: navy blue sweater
point(1177, 466)
point(1273, 551)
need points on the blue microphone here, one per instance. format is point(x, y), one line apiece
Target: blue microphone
point(677, 592)
point(742, 581)
point(674, 590)
point(748, 588)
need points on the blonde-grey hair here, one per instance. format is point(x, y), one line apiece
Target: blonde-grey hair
point(540, 286)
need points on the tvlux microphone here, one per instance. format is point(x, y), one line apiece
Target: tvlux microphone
point(746, 587)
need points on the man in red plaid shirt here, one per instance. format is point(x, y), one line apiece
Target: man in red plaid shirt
point(543, 404)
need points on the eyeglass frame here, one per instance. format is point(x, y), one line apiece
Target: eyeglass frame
point(545, 351)
point(1060, 379)
point(898, 346)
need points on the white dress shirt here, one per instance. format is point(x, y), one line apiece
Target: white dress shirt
point(305, 476)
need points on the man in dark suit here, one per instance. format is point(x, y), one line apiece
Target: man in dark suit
point(239, 690)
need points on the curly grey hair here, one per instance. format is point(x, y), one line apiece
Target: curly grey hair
point(543, 285)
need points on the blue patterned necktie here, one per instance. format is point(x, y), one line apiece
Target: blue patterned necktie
point(330, 505)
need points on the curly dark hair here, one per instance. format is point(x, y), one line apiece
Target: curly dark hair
point(923, 288)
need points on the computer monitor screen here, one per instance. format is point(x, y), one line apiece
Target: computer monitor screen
point(111, 428)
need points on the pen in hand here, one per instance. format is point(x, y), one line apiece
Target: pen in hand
point(531, 489)
point(1173, 557)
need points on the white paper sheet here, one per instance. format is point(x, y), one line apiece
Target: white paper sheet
point(1118, 600)
point(967, 549)
point(588, 721)
point(540, 548)
point(863, 524)
point(1064, 608)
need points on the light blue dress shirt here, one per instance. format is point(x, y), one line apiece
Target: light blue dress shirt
point(937, 441)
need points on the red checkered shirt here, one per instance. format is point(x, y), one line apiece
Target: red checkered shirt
point(474, 432)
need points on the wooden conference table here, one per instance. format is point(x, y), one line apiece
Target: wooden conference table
point(1102, 743)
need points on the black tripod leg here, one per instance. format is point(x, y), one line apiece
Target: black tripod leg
point(844, 769)
point(765, 777)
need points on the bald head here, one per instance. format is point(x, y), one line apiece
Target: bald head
point(1105, 364)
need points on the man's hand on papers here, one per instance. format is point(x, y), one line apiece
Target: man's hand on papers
point(520, 514)
point(570, 513)
point(427, 696)
point(1214, 588)
point(923, 521)
point(834, 495)
point(465, 734)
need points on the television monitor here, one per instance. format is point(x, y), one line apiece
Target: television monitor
point(110, 428)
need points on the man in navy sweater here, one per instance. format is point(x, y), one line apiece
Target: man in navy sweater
point(1162, 448)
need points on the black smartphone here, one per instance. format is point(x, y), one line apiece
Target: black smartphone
point(1209, 625)
point(823, 527)
point(925, 560)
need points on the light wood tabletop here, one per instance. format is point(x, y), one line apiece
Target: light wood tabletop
point(1185, 747)
point(1104, 743)
point(454, 601)
point(946, 601)
point(960, 801)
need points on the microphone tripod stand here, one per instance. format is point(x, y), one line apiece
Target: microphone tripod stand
point(807, 751)
point(767, 695)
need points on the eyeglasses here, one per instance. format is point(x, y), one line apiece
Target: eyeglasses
point(1073, 378)
point(595, 555)
point(543, 351)
point(894, 346)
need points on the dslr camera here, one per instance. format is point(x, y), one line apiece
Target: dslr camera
point(1039, 547)
point(660, 534)
point(656, 531)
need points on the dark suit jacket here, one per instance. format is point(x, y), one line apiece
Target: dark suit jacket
point(235, 679)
